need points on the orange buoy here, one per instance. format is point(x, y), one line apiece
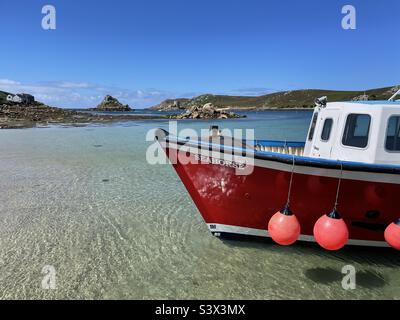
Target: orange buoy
point(330, 231)
point(283, 227)
point(392, 234)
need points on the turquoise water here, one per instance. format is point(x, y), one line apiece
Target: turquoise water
point(85, 201)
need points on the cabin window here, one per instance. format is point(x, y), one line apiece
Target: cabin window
point(356, 131)
point(313, 125)
point(326, 130)
point(393, 134)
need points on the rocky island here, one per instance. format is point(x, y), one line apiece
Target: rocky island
point(207, 111)
point(110, 103)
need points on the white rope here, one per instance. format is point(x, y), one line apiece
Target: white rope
point(338, 186)
point(290, 184)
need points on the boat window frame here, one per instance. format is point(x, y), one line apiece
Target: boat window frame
point(313, 126)
point(386, 133)
point(369, 131)
point(330, 130)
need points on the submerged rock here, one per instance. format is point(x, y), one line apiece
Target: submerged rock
point(207, 111)
point(110, 103)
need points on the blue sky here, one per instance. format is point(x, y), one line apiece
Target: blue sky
point(146, 51)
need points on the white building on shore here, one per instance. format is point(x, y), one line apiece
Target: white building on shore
point(21, 98)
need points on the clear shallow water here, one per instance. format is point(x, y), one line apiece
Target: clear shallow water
point(85, 201)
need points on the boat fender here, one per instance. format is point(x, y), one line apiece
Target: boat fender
point(283, 227)
point(392, 234)
point(331, 232)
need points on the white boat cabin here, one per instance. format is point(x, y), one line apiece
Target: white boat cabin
point(358, 131)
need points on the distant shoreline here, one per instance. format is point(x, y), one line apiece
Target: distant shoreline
point(296, 100)
point(35, 114)
point(39, 116)
point(235, 109)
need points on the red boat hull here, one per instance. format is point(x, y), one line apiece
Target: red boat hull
point(243, 204)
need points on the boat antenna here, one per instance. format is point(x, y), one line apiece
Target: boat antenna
point(395, 95)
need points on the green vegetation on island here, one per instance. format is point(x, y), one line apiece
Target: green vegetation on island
point(295, 99)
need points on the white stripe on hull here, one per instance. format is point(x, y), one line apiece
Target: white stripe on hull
point(307, 170)
point(221, 228)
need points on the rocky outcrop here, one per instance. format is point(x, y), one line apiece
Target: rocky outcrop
point(207, 111)
point(171, 104)
point(110, 103)
point(16, 115)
